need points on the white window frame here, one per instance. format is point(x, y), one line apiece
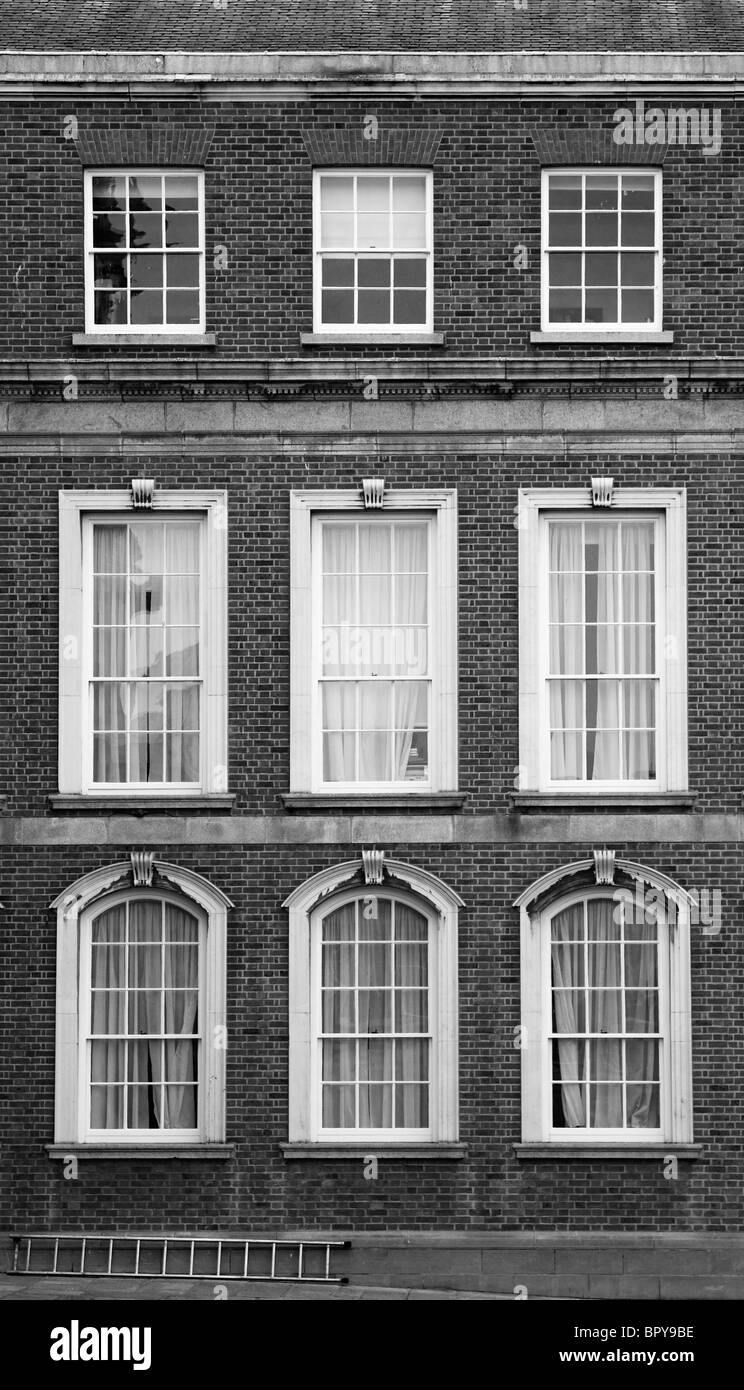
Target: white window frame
point(356, 330)
point(154, 330)
point(77, 510)
point(76, 907)
point(603, 330)
point(535, 507)
point(675, 1067)
point(305, 731)
point(319, 895)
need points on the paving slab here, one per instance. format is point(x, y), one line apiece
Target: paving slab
point(64, 1289)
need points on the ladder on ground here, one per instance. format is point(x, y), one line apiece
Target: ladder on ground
point(176, 1257)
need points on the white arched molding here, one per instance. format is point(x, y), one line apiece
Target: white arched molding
point(440, 904)
point(72, 906)
point(537, 904)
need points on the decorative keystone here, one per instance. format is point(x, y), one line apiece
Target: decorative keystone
point(143, 863)
point(374, 492)
point(373, 861)
point(604, 865)
point(602, 489)
point(143, 491)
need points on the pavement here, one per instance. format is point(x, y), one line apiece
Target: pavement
point(65, 1288)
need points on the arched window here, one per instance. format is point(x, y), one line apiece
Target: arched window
point(373, 1004)
point(605, 1009)
point(140, 1008)
point(142, 1032)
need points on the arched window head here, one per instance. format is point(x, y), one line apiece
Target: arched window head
point(373, 1004)
point(605, 1035)
point(141, 1007)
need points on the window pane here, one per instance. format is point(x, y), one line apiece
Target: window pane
point(337, 306)
point(339, 1107)
point(375, 1106)
point(337, 272)
point(409, 273)
point(565, 268)
point(565, 306)
point(601, 306)
point(373, 211)
point(564, 228)
point(182, 306)
point(336, 212)
point(145, 229)
point(373, 306)
point(106, 1107)
point(564, 191)
point(601, 191)
point(182, 229)
point(181, 192)
point(637, 306)
point(146, 272)
point(409, 211)
point(409, 306)
point(638, 228)
point(109, 229)
point(109, 271)
point(109, 192)
point(109, 758)
point(146, 192)
point(110, 307)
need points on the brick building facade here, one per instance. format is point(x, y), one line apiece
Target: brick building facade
point(491, 421)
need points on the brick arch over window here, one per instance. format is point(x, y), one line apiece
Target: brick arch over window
point(308, 905)
point(142, 877)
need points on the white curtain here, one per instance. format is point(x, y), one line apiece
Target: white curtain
point(602, 629)
point(158, 721)
point(109, 651)
point(139, 1078)
point(384, 1073)
point(588, 999)
point(374, 635)
point(568, 981)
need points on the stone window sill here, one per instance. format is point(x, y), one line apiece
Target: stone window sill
point(359, 1152)
point(372, 339)
point(657, 1152)
point(139, 805)
point(100, 340)
point(556, 336)
point(323, 801)
point(589, 801)
point(220, 1152)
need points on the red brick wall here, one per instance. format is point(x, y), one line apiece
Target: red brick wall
point(490, 1189)
point(259, 607)
point(259, 206)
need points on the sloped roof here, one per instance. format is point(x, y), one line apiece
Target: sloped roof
point(373, 25)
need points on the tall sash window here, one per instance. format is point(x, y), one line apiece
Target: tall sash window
point(146, 686)
point(374, 651)
point(143, 1040)
point(603, 652)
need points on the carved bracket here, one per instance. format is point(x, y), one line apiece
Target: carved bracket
point(143, 863)
point(373, 862)
point(602, 489)
point(143, 492)
point(374, 492)
point(604, 865)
